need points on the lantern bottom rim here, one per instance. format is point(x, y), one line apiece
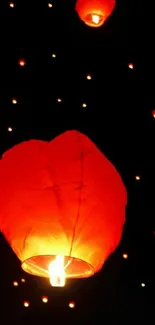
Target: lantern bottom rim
point(74, 267)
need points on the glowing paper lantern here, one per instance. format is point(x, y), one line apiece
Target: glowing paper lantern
point(62, 206)
point(71, 304)
point(95, 12)
point(153, 113)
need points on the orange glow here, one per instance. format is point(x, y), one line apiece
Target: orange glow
point(89, 77)
point(59, 100)
point(15, 284)
point(14, 101)
point(125, 256)
point(153, 113)
point(131, 66)
point(84, 105)
point(11, 4)
point(45, 299)
point(50, 5)
point(137, 177)
point(56, 186)
point(94, 13)
point(23, 280)
point(22, 62)
point(72, 304)
point(26, 304)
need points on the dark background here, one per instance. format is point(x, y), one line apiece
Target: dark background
point(118, 118)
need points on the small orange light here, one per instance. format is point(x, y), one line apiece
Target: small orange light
point(50, 5)
point(84, 105)
point(22, 62)
point(9, 129)
point(137, 177)
point(11, 4)
point(131, 66)
point(71, 304)
point(53, 55)
point(14, 101)
point(59, 100)
point(26, 304)
point(89, 77)
point(125, 256)
point(45, 299)
point(23, 280)
point(153, 113)
point(15, 284)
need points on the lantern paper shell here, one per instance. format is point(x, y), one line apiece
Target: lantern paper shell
point(95, 12)
point(61, 197)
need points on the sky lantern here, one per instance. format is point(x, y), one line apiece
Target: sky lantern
point(71, 304)
point(95, 12)
point(62, 206)
point(153, 113)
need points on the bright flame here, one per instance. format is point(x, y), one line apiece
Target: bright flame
point(56, 272)
point(95, 19)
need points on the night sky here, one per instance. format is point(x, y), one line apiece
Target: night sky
point(51, 94)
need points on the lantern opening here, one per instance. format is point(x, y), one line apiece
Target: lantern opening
point(94, 19)
point(57, 268)
point(57, 272)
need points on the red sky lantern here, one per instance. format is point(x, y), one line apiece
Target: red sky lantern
point(62, 206)
point(95, 12)
point(153, 113)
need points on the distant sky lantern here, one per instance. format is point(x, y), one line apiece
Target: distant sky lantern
point(131, 66)
point(14, 101)
point(72, 202)
point(125, 256)
point(153, 113)
point(89, 77)
point(142, 285)
point(11, 4)
point(9, 129)
point(45, 299)
point(95, 12)
point(22, 62)
point(71, 304)
point(26, 303)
